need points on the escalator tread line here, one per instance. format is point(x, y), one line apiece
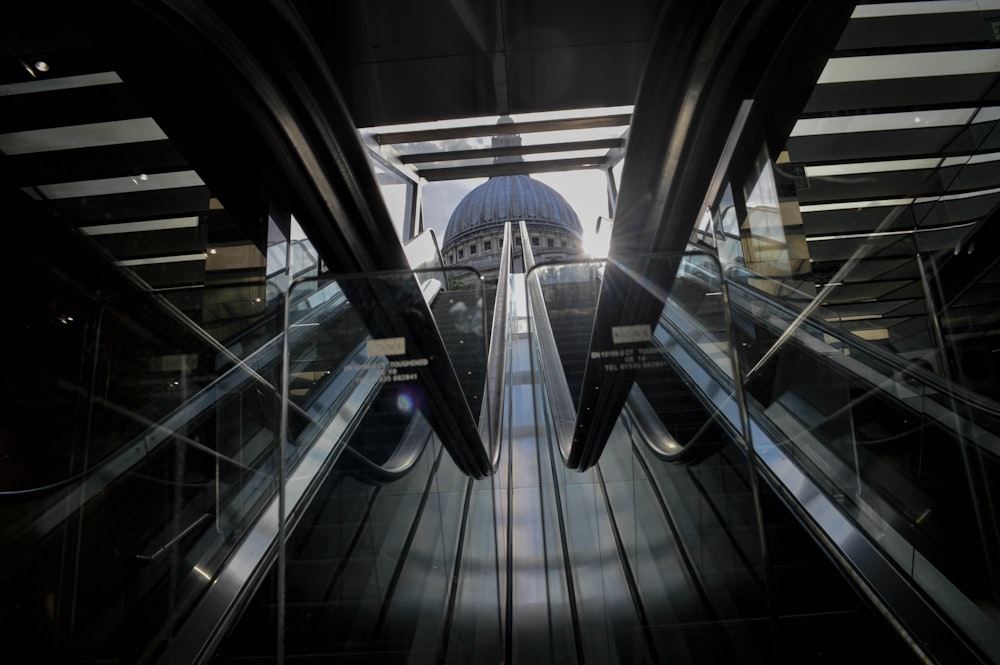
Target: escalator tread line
point(352, 546)
point(449, 614)
point(744, 558)
point(633, 587)
point(407, 545)
point(682, 548)
point(567, 565)
point(508, 642)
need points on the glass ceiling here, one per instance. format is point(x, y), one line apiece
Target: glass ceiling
point(524, 143)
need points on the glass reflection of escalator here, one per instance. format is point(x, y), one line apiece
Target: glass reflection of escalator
point(376, 564)
point(896, 445)
point(651, 555)
point(152, 418)
point(394, 554)
point(390, 437)
point(165, 476)
point(663, 390)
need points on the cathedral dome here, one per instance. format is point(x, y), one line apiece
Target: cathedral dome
point(510, 199)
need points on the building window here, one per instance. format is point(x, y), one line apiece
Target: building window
point(552, 242)
point(534, 242)
point(472, 249)
point(487, 245)
point(517, 240)
point(461, 253)
point(562, 242)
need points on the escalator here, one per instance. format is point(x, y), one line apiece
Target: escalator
point(178, 490)
point(875, 427)
point(181, 459)
point(828, 415)
point(632, 561)
point(645, 557)
point(146, 425)
point(387, 557)
point(686, 484)
point(636, 560)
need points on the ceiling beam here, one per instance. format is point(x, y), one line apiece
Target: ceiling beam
point(512, 168)
point(449, 133)
point(510, 151)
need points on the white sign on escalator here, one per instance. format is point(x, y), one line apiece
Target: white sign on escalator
point(631, 334)
point(386, 346)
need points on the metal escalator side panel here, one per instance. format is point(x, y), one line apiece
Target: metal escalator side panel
point(677, 140)
point(280, 108)
point(496, 363)
point(560, 400)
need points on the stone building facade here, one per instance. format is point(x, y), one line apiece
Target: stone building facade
point(474, 236)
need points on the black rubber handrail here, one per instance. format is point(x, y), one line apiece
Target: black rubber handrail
point(404, 457)
point(886, 586)
point(705, 60)
point(275, 98)
point(650, 430)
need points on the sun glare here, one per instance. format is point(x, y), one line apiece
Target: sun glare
point(597, 240)
point(596, 244)
point(587, 193)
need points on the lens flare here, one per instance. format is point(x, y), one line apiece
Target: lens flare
point(405, 402)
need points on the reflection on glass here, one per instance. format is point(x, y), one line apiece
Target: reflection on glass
point(398, 193)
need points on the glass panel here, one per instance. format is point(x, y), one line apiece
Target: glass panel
point(899, 448)
point(893, 169)
point(158, 452)
point(424, 252)
point(639, 500)
point(773, 242)
point(388, 538)
point(398, 193)
point(675, 476)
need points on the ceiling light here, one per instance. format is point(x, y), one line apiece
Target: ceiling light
point(139, 227)
point(42, 66)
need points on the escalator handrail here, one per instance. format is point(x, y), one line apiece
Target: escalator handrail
point(276, 86)
point(862, 557)
point(650, 428)
point(676, 153)
point(414, 439)
point(237, 577)
point(404, 457)
point(560, 399)
point(671, 323)
point(491, 412)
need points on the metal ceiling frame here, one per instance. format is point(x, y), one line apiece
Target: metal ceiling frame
point(506, 158)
